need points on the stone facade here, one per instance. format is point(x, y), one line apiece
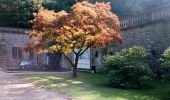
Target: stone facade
point(151, 30)
point(9, 57)
point(154, 37)
point(10, 39)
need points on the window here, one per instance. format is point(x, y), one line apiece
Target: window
point(14, 52)
point(17, 52)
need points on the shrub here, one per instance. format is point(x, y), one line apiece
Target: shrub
point(136, 52)
point(126, 69)
point(165, 66)
point(113, 61)
point(166, 54)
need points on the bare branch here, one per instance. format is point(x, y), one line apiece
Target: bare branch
point(74, 52)
point(83, 51)
point(69, 60)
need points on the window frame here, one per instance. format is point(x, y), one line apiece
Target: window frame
point(17, 53)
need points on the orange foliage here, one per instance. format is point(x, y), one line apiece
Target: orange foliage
point(87, 26)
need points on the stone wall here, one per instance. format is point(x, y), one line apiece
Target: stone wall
point(7, 42)
point(154, 37)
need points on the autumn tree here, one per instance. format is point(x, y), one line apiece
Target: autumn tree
point(86, 26)
point(57, 5)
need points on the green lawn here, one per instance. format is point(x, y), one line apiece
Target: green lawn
point(94, 87)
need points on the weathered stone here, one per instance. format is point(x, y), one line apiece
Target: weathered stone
point(154, 37)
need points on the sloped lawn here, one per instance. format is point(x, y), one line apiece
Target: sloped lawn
point(94, 87)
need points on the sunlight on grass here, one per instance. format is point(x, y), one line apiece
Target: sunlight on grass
point(94, 87)
point(54, 78)
point(40, 81)
point(120, 98)
point(74, 82)
point(143, 97)
point(33, 78)
point(59, 85)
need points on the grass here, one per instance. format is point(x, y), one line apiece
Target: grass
point(94, 87)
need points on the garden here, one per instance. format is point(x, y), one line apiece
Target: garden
point(95, 87)
point(125, 76)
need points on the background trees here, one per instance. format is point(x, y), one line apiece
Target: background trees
point(86, 26)
point(17, 13)
point(58, 5)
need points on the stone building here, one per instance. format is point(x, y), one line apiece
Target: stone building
point(11, 42)
point(150, 29)
point(13, 39)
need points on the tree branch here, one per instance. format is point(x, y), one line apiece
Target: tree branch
point(83, 51)
point(74, 52)
point(80, 50)
point(69, 60)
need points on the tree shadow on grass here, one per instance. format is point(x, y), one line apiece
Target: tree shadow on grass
point(92, 87)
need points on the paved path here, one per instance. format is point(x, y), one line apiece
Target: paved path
point(13, 88)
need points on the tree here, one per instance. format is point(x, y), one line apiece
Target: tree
point(17, 13)
point(86, 26)
point(57, 5)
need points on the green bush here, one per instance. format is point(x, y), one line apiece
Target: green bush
point(126, 69)
point(136, 52)
point(166, 61)
point(113, 61)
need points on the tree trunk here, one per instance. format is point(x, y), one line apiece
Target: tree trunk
point(73, 64)
point(74, 72)
point(75, 67)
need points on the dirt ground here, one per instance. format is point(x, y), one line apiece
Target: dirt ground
point(14, 88)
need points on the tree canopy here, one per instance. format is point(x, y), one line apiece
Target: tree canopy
point(86, 26)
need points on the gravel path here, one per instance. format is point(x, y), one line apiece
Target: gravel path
point(13, 88)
